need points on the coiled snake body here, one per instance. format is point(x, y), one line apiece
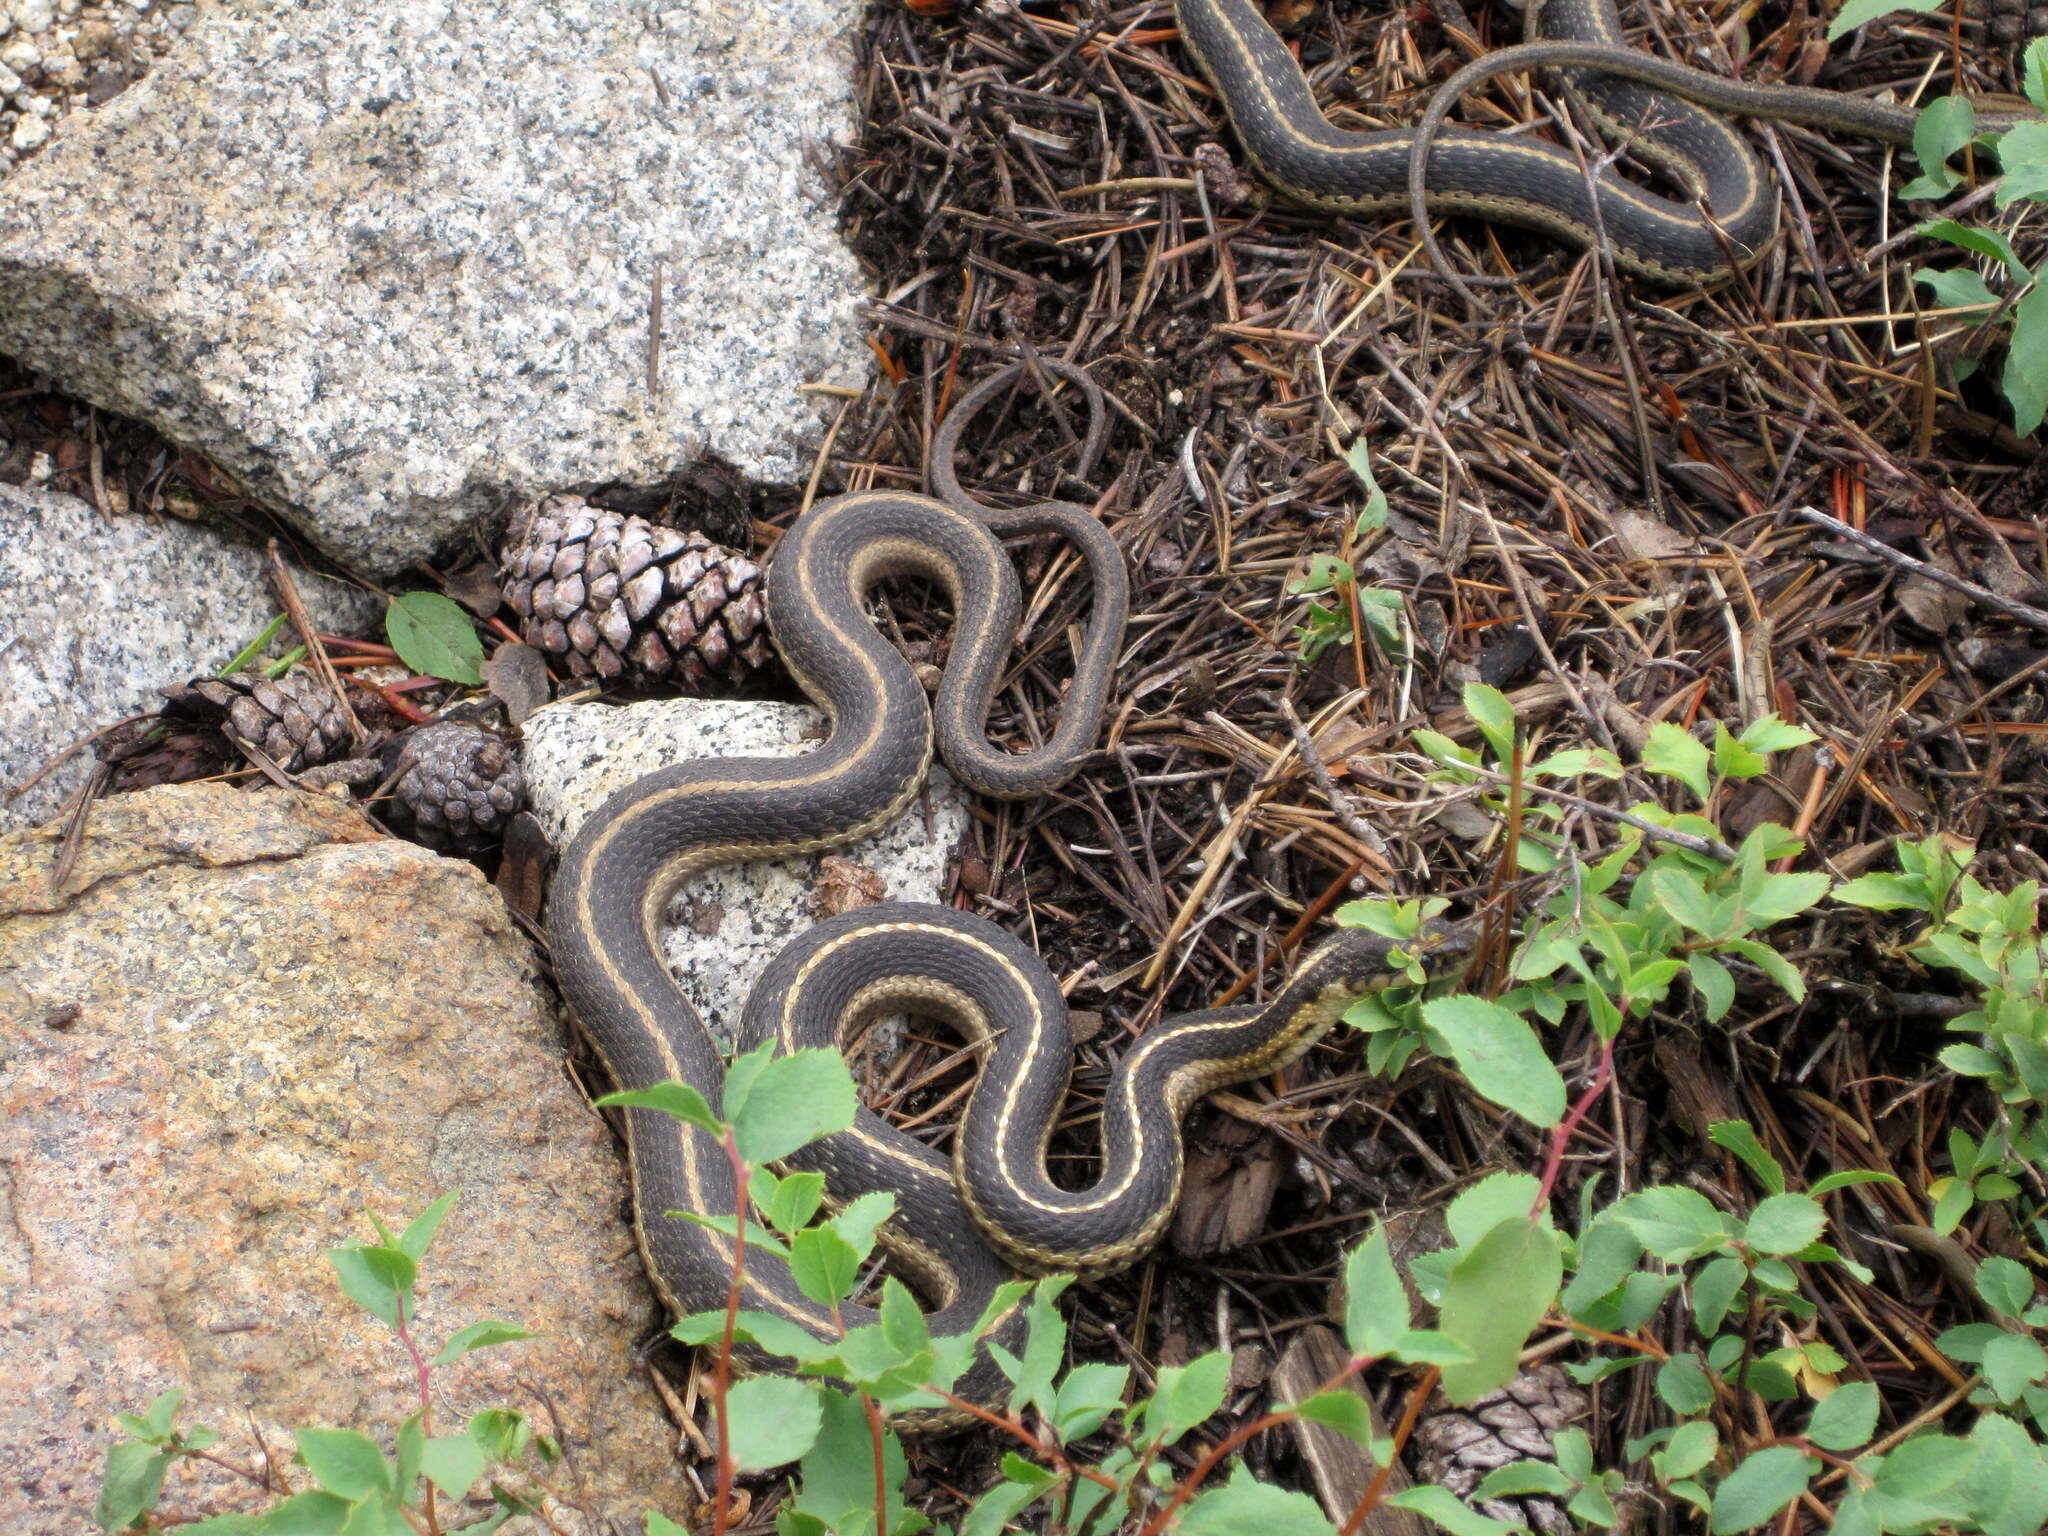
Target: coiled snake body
point(1668, 112)
point(623, 865)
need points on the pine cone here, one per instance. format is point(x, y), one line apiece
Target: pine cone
point(2013, 22)
point(293, 720)
point(615, 594)
point(463, 787)
point(1458, 1446)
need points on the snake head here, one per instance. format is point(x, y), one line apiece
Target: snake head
point(1439, 949)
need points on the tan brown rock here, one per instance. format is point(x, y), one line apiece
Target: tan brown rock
point(246, 1019)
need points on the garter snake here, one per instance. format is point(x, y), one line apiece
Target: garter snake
point(629, 858)
point(1668, 113)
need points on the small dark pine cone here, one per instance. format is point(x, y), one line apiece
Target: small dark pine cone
point(615, 594)
point(293, 720)
point(463, 787)
point(2013, 22)
point(1457, 1447)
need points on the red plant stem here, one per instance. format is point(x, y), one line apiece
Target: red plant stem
point(1376, 1490)
point(721, 1381)
point(365, 647)
point(398, 705)
point(1553, 1161)
point(881, 1469)
point(423, 1371)
point(1012, 1427)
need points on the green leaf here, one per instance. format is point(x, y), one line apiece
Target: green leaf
point(679, 1101)
point(1520, 1477)
point(2023, 151)
point(1608, 1254)
point(1957, 288)
point(1851, 16)
point(419, 1236)
point(1244, 1504)
point(1671, 751)
point(482, 1335)
point(1495, 717)
point(1773, 733)
point(344, 1462)
point(311, 1513)
point(1845, 1419)
point(994, 1510)
point(1951, 1205)
point(1716, 987)
point(1375, 1303)
point(1735, 759)
point(130, 1483)
point(1924, 1466)
point(1494, 1199)
point(659, 1524)
point(373, 1278)
point(1982, 242)
point(1739, 1138)
point(500, 1433)
point(787, 1202)
point(1772, 964)
point(2012, 1363)
point(858, 1222)
point(1449, 1511)
point(1498, 1293)
point(1970, 1060)
point(1943, 127)
point(794, 1100)
point(1185, 1395)
point(1683, 1383)
point(1680, 893)
point(1765, 1483)
point(1848, 1176)
point(1342, 1410)
point(2025, 379)
point(452, 1463)
point(1672, 1222)
point(1088, 1396)
point(838, 1483)
point(1500, 1057)
point(1786, 1223)
point(2034, 73)
point(1785, 896)
point(774, 1419)
point(2005, 1286)
point(434, 634)
point(1691, 1447)
point(825, 1266)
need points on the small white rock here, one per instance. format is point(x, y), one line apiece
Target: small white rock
point(21, 56)
point(34, 15)
point(29, 134)
point(10, 82)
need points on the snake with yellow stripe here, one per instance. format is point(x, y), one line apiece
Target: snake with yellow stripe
point(962, 1230)
point(1668, 113)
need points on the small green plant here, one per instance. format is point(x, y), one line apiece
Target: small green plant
point(1993, 941)
point(356, 1488)
point(2019, 312)
point(1332, 585)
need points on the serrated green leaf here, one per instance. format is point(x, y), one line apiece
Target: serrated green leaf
point(1342, 1410)
point(435, 635)
point(679, 1101)
point(1449, 1511)
point(480, 1335)
point(1691, 1446)
point(452, 1463)
point(1765, 1482)
point(791, 1102)
point(1670, 751)
point(1683, 1383)
point(1785, 1223)
point(1498, 1293)
point(1520, 1477)
point(1672, 1222)
point(1494, 715)
point(2012, 1363)
point(345, 1463)
point(2005, 1285)
point(1246, 1504)
point(1739, 1138)
point(1980, 241)
point(1186, 1395)
point(1845, 1419)
point(1856, 13)
point(373, 1278)
point(824, 1265)
point(1500, 1056)
point(1375, 1303)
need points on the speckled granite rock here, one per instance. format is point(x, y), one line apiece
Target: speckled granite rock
point(119, 605)
point(248, 1018)
point(392, 265)
point(729, 923)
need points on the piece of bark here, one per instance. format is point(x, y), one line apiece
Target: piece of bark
point(1342, 1468)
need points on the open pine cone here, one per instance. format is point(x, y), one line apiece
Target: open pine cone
point(613, 594)
point(1457, 1447)
point(293, 720)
